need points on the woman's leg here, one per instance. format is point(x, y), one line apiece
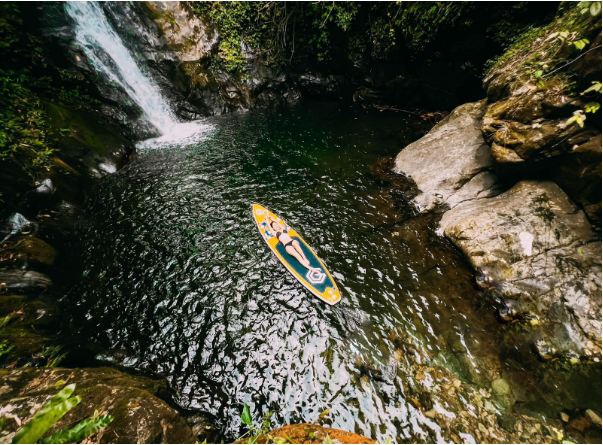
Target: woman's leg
point(291, 251)
point(301, 253)
point(299, 249)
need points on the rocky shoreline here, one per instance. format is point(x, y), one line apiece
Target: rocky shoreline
point(516, 188)
point(513, 179)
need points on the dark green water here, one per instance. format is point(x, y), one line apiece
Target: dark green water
point(176, 273)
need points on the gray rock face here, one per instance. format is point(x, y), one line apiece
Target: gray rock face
point(535, 248)
point(178, 48)
point(185, 35)
point(452, 163)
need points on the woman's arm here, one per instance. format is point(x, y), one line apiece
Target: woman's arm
point(269, 220)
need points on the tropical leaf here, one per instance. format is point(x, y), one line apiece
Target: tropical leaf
point(47, 416)
point(81, 431)
point(578, 118)
point(246, 415)
point(596, 87)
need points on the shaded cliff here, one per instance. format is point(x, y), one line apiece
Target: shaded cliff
point(522, 200)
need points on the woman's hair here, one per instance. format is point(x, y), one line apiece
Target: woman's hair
point(272, 224)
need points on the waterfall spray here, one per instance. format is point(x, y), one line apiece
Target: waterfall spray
point(109, 56)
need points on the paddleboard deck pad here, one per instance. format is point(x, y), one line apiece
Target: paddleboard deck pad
point(319, 282)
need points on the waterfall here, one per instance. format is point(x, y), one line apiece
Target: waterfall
point(107, 53)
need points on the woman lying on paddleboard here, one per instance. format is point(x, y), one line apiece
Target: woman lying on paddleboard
point(291, 245)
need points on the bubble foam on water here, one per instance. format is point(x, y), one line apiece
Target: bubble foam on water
point(180, 135)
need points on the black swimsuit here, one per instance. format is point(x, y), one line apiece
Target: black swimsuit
point(278, 237)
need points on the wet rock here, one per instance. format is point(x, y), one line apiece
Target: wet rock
point(178, 47)
point(371, 371)
point(188, 37)
point(92, 148)
point(544, 350)
point(564, 417)
point(500, 387)
point(115, 357)
point(46, 187)
point(580, 424)
point(452, 163)
point(432, 413)
point(140, 416)
point(24, 280)
point(311, 433)
point(593, 416)
point(317, 84)
point(538, 250)
point(367, 96)
point(31, 249)
point(16, 223)
point(203, 427)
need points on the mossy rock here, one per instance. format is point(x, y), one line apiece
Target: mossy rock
point(79, 129)
point(30, 328)
point(86, 143)
point(139, 415)
point(30, 249)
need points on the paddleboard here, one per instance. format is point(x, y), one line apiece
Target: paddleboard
point(318, 281)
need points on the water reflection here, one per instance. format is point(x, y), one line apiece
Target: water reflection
point(176, 273)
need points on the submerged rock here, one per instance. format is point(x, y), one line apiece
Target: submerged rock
point(533, 246)
point(452, 163)
point(140, 416)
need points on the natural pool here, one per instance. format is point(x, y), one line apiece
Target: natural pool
point(175, 272)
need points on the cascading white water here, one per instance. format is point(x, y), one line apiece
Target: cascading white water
point(106, 51)
point(109, 56)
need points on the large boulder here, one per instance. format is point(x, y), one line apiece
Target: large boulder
point(139, 415)
point(182, 33)
point(537, 251)
point(452, 163)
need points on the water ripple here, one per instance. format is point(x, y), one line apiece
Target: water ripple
point(177, 274)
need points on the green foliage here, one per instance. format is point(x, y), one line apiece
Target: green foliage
point(596, 87)
point(4, 321)
point(592, 107)
point(323, 31)
point(261, 430)
point(578, 118)
point(22, 121)
point(51, 413)
point(550, 46)
point(53, 355)
point(47, 416)
point(246, 416)
point(81, 431)
point(25, 79)
point(5, 347)
point(593, 7)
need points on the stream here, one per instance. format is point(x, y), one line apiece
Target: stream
point(175, 272)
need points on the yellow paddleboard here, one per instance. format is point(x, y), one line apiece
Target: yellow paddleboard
point(317, 280)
